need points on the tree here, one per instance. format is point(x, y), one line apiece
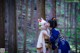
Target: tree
point(25, 27)
point(53, 8)
point(11, 28)
point(32, 11)
point(43, 9)
point(75, 27)
point(2, 35)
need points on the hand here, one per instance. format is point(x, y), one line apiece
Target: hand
point(45, 36)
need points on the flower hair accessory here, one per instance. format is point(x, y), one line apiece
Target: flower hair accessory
point(41, 22)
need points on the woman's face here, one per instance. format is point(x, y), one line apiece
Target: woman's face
point(47, 25)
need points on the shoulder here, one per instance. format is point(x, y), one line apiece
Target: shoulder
point(67, 42)
point(44, 31)
point(57, 29)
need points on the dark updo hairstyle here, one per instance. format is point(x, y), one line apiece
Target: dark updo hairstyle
point(53, 22)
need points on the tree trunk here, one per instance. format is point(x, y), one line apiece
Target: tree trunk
point(15, 31)
point(76, 27)
point(64, 17)
point(11, 16)
point(6, 25)
point(43, 9)
point(32, 11)
point(53, 8)
point(2, 33)
point(67, 17)
point(25, 27)
point(70, 18)
point(38, 3)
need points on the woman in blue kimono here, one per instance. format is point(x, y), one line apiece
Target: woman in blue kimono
point(54, 34)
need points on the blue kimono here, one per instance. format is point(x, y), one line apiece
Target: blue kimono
point(54, 36)
point(63, 46)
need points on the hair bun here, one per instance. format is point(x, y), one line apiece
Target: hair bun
point(53, 18)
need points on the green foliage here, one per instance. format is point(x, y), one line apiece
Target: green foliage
point(32, 50)
point(68, 34)
point(6, 51)
point(78, 6)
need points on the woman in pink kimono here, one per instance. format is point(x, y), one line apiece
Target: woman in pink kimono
point(42, 46)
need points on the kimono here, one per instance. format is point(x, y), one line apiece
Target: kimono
point(41, 40)
point(53, 38)
point(63, 46)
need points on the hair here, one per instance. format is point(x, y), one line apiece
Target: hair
point(53, 22)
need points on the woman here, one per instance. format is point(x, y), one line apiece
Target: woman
point(54, 34)
point(42, 44)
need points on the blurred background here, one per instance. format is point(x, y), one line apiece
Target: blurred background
point(19, 23)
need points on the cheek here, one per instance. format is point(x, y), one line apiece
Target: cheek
point(45, 24)
point(48, 24)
